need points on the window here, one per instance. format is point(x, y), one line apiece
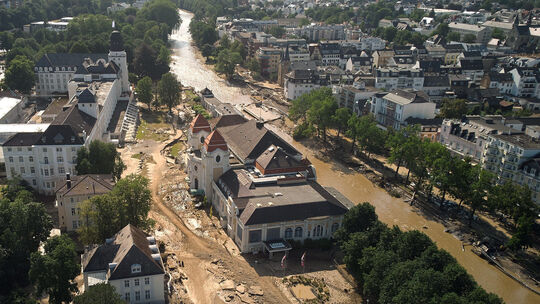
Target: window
point(239, 231)
point(52, 171)
point(135, 268)
point(21, 159)
point(146, 281)
point(9, 149)
point(44, 149)
point(61, 170)
point(147, 294)
point(23, 170)
point(60, 159)
point(288, 233)
point(31, 159)
point(136, 281)
point(298, 232)
point(72, 211)
point(74, 224)
point(13, 171)
point(73, 149)
point(255, 236)
point(273, 234)
point(11, 159)
point(34, 182)
point(218, 158)
point(58, 149)
point(126, 283)
point(127, 295)
point(335, 227)
point(46, 160)
point(46, 172)
point(137, 295)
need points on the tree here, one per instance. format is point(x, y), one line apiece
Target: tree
point(99, 158)
point(169, 91)
point(358, 219)
point(353, 130)
point(227, 61)
point(118, 167)
point(398, 144)
point(207, 50)
point(453, 108)
point(79, 47)
point(128, 203)
point(55, 271)
point(340, 119)
point(479, 190)
point(144, 91)
point(497, 33)
point(144, 61)
point(453, 36)
point(320, 114)
point(163, 11)
point(253, 65)
point(469, 38)
point(24, 225)
point(276, 31)
point(102, 293)
point(20, 74)
point(370, 137)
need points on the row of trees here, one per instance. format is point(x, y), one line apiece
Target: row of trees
point(145, 33)
point(431, 164)
point(392, 266)
point(168, 90)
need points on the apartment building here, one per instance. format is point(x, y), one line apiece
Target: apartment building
point(269, 59)
point(75, 190)
point(481, 33)
point(391, 110)
point(399, 78)
point(130, 261)
point(301, 81)
point(526, 82)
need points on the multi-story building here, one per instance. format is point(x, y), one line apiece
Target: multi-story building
point(262, 189)
point(321, 32)
point(354, 97)
point(269, 59)
point(330, 53)
point(391, 110)
point(76, 190)
point(54, 71)
point(472, 69)
point(129, 261)
point(301, 81)
point(98, 94)
point(468, 138)
point(526, 81)
point(482, 34)
point(500, 81)
point(399, 78)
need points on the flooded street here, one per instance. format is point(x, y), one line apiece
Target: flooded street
point(192, 72)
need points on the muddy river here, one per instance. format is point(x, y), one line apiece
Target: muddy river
point(192, 72)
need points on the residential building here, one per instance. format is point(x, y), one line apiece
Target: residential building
point(469, 137)
point(269, 59)
point(262, 189)
point(399, 78)
point(130, 261)
point(301, 81)
point(99, 104)
point(437, 88)
point(54, 71)
point(330, 53)
point(74, 191)
point(482, 34)
point(526, 82)
point(11, 110)
point(501, 81)
point(354, 97)
point(472, 69)
point(391, 110)
point(430, 128)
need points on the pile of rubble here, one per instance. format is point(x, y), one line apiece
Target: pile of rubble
point(235, 292)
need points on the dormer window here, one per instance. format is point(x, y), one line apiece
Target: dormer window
point(135, 268)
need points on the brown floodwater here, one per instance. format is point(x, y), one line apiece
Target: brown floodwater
point(192, 72)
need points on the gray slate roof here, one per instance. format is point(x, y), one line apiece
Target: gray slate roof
point(67, 59)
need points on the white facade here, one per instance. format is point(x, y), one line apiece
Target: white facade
point(144, 289)
point(293, 90)
point(391, 110)
point(394, 79)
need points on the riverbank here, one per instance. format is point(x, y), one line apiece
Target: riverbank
point(353, 184)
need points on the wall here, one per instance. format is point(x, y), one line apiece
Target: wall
point(156, 288)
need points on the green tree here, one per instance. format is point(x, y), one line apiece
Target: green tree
point(79, 47)
point(370, 137)
point(453, 36)
point(128, 203)
point(479, 190)
point(101, 293)
point(55, 271)
point(207, 50)
point(253, 65)
point(321, 114)
point(340, 119)
point(227, 61)
point(99, 158)
point(453, 108)
point(469, 38)
point(169, 91)
point(353, 130)
point(20, 74)
point(498, 34)
point(24, 224)
point(276, 31)
point(398, 143)
point(163, 11)
point(144, 91)
point(144, 61)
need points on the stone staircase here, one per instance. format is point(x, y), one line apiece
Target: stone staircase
point(131, 121)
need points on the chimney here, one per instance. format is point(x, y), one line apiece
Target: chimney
point(259, 124)
point(68, 181)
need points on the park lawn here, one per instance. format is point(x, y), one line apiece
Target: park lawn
point(150, 123)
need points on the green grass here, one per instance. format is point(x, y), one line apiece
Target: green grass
point(150, 122)
point(136, 155)
point(175, 149)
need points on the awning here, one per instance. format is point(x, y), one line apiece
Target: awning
point(279, 245)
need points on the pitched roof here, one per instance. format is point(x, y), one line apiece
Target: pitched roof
point(276, 158)
point(199, 124)
point(67, 59)
point(23, 139)
point(60, 135)
point(403, 97)
point(436, 81)
point(225, 121)
point(87, 184)
point(215, 141)
point(75, 118)
point(127, 247)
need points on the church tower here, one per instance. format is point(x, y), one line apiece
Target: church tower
point(215, 159)
point(284, 66)
point(118, 55)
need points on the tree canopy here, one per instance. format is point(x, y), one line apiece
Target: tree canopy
point(20, 74)
point(102, 293)
point(169, 91)
point(99, 158)
point(144, 91)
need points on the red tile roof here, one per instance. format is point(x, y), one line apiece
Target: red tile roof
point(215, 141)
point(199, 124)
